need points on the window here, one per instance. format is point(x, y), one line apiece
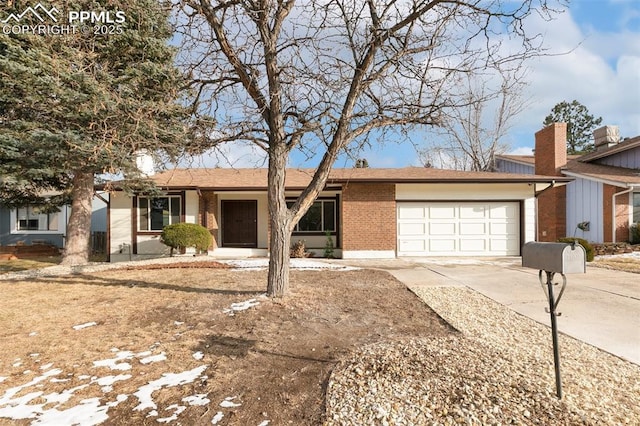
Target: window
point(636, 207)
point(156, 213)
point(321, 217)
point(30, 218)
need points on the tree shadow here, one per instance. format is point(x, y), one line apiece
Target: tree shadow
point(86, 279)
point(221, 345)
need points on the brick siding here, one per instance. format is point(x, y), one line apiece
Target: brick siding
point(369, 216)
point(208, 216)
point(551, 156)
point(622, 214)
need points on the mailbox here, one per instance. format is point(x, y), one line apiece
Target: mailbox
point(560, 258)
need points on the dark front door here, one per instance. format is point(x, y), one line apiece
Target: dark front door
point(239, 223)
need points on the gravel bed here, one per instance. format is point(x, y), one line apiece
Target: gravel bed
point(497, 370)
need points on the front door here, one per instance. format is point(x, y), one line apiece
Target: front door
point(239, 223)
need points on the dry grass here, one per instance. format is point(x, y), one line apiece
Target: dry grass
point(17, 265)
point(275, 358)
point(619, 264)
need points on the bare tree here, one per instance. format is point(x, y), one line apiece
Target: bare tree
point(472, 135)
point(327, 75)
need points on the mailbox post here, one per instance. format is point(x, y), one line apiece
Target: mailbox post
point(554, 258)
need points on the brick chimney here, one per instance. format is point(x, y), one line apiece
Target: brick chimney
point(551, 157)
point(551, 149)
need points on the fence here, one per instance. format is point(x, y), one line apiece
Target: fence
point(98, 243)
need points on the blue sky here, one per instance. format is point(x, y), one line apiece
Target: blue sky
point(602, 72)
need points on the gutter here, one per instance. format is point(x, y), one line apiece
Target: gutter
point(613, 209)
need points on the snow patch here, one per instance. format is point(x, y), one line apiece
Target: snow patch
point(144, 394)
point(114, 363)
point(228, 402)
point(241, 306)
point(85, 325)
point(198, 355)
point(217, 418)
point(197, 399)
point(177, 410)
point(153, 358)
point(108, 381)
point(300, 264)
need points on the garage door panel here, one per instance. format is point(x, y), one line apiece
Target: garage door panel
point(414, 246)
point(442, 228)
point(442, 245)
point(412, 212)
point(504, 212)
point(473, 212)
point(442, 212)
point(412, 229)
point(469, 245)
point(503, 228)
point(473, 228)
point(458, 228)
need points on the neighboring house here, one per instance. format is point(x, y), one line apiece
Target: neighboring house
point(603, 200)
point(367, 212)
point(28, 225)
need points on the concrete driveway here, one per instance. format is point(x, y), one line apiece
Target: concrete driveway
point(601, 307)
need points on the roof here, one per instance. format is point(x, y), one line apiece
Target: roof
point(530, 160)
point(256, 178)
point(618, 176)
point(614, 149)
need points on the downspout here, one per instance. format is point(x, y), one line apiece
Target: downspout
point(613, 210)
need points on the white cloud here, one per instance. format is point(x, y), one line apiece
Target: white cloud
point(230, 154)
point(523, 150)
point(602, 71)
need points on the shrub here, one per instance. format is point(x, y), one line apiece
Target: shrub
point(298, 250)
point(635, 233)
point(329, 247)
point(183, 235)
point(588, 248)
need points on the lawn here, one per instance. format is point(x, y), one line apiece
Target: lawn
point(190, 346)
point(16, 265)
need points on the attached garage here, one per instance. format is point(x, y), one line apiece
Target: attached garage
point(483, 228)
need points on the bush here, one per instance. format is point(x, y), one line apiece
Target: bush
point(183, 235)
point(329, 249)
point(635, 233)
point(588, 248)
point(299, 250)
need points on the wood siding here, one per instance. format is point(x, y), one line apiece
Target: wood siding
point(584, 203)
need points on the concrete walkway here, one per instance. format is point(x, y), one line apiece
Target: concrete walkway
point(601, 307)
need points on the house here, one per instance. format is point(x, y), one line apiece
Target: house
point(31, 226)
point(28, 225)
point(603, 200)
point(367, 212)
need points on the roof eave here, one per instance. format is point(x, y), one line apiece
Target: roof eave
point(622, 184)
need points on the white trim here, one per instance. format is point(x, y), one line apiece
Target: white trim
point(368, 254)
point(595, 179)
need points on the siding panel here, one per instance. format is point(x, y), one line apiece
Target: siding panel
point(584, 203)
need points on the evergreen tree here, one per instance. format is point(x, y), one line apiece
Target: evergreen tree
point(76, 105)
point(580, 125)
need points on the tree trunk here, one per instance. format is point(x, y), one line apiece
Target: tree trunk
point(79, 227)
point(280, 226)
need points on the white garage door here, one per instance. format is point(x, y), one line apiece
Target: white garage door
point(459, 228)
